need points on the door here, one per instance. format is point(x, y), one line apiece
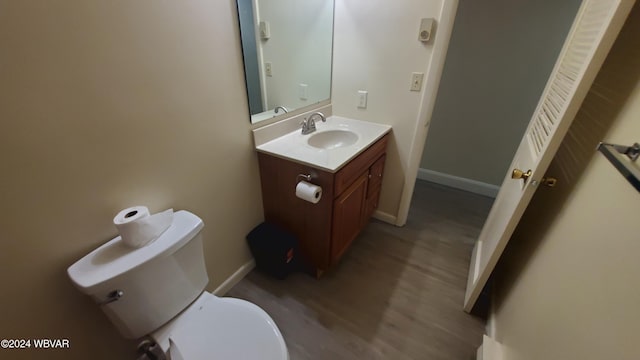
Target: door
point(595, 28)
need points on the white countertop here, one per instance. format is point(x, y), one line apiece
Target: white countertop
point(293, 145)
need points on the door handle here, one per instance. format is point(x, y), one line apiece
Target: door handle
point(519, 174)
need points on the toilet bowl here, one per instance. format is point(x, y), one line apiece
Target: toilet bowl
point(222, 328)
point(157, 292)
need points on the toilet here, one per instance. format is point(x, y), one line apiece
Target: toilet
point(157, 291)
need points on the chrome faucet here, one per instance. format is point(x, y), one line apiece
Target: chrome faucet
point(280, 108)
point(309, 125)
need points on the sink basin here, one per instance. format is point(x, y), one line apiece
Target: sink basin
point(332, 145)
point(332, 139)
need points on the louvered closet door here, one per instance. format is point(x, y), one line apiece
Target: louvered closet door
point(594, 30)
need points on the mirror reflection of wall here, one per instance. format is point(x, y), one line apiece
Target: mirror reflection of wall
point(287, 54)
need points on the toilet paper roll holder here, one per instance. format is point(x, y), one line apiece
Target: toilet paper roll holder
point(306, 177)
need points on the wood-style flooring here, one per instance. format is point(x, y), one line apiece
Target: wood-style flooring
point(396, 294)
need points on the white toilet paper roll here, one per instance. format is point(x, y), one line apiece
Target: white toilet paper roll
point(308, 192)
point(138, 228)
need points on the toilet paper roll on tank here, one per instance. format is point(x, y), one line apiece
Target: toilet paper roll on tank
point(308, 192)
point(137, 227)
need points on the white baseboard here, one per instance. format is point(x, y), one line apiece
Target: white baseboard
point(234, 278)
point(489, 350)
point(386, 217)
point(490, 327)
point(474, 186)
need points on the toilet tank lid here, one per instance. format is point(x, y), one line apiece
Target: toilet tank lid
point(114, 258)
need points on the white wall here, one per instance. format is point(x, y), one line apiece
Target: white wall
point(105, 105)
point(299, 50)
point(567, 286)
point(376, 49)
point(499, 59)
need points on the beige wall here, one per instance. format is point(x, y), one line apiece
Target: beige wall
point(376, 49)
point(500, 56)
point(105, 105)
point(567, 286)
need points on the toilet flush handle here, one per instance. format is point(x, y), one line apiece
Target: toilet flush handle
point(111, 297)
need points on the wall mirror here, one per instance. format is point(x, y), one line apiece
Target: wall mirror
point(287, 50)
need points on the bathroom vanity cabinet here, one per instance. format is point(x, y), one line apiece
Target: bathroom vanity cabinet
point(350, 196)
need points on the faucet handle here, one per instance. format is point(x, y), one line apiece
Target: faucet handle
point(308, 125)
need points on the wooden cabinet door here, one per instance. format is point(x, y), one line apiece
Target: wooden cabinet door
point(371, 204)
point(375, 176)
point(348, 211)
point(373, 189)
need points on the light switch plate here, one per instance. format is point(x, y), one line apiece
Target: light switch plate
point(416, 81)
point(303, 91)
point(362, 99)
point(267, 68)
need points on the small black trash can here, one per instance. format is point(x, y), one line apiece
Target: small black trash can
point(274, 249)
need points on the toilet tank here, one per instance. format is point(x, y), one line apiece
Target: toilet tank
point(141, 289)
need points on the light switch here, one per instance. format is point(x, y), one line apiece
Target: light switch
point(416, 81)
point(362, 99)
point(303, 91)
point(267, 68)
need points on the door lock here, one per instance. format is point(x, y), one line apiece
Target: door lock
point(549, 181)
point(546, 181)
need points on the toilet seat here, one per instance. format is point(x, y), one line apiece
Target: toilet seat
point(222, 328)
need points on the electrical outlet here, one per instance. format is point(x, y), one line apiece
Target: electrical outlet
point(267, 68)
point(362, 99)
point(416, 81)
